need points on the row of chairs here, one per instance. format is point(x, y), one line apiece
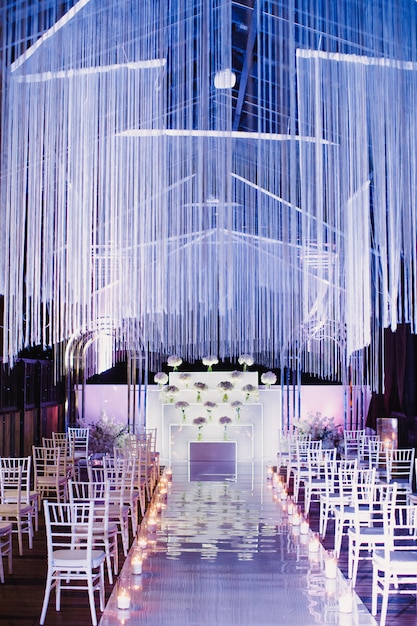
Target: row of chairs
point(368, 493)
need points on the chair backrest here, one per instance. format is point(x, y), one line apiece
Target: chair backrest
point(400, 529)
point(78, 438)
point(10, 480)
point(62, 521)
point(46, 461)
point(22, 478)
point(400, 464)
point(352, 442)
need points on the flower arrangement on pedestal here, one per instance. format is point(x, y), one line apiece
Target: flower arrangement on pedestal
point(225, 421)
point(182, 405)
point(246, 360)
point(106, 434)
point(251, 392)
point(210, 406)
point(225, 386)
point(199, 421)
point(321, 428)
point(268, 379)
point(209, 361)
point(201, 388)
point(236, 404)
point(161, 379)
point(174, 362)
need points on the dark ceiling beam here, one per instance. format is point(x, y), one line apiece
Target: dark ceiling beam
point(247, 65)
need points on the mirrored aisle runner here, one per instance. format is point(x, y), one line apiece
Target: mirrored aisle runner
point(224, 553)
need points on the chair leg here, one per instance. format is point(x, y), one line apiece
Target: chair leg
point(46, 598)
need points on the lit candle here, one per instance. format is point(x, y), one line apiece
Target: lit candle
point(330, 565)
point(168, 473)
point(290, 507)
point(296, 519)
point(270, 473)
point(151, 524)
point(284, 494)
point(314, 543)
point(123, 599)
point(346, 602)
point(304, 527)
point(137, 561)
point(142, 542)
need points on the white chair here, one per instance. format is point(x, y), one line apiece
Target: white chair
point(15, 508)
point(27, 494)
point(364, 539)
point(316, 485)
point(307, 466)
point(104, 531)
point(356, 501)
point(78, 441)
point(331, 496)
point(377, 458)
point(400, 468)
point(72, 560)
point(395, 564)
point(5, 547)
point(49, 482)
point(298, 446)
point(352, 443)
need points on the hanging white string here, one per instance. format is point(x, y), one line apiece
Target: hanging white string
point(135, 202)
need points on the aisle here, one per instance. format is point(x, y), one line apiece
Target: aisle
point(224, 554)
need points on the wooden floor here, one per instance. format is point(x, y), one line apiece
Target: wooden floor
point(21, 597)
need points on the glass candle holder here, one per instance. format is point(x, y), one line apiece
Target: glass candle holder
point(330, 564)
point(123, 593)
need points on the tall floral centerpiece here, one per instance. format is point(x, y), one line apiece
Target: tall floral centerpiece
point(321, 428)
point(106, 434)
point(209, 361)
point(199, 422)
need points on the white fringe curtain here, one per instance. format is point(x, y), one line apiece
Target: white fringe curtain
point(133, 196)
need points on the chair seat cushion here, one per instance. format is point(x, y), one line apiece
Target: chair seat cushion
point(69, 558)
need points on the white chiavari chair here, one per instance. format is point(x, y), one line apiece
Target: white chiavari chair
point(72, 558)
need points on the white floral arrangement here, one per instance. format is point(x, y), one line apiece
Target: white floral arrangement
point(105, 434)
point(251, 392)
point(268, 379)
point(237, 404)
point(209, 361)
point(320, 428)
point(201, 388)
point(210, 406)
point(174, 362)
point(225, 420)
point(199, 422)
point(168, 394)
point(185, 377)
point(236, 374)
point(182, 405)
point(225, 386)
point(246, 360)
point(161, 379)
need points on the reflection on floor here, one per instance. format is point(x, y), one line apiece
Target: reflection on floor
point(226, 554)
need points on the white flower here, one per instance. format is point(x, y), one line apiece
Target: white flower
point(174, 361)
point(246, 360)
point(268, 379)
point(161, 378)
point(209, 361)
